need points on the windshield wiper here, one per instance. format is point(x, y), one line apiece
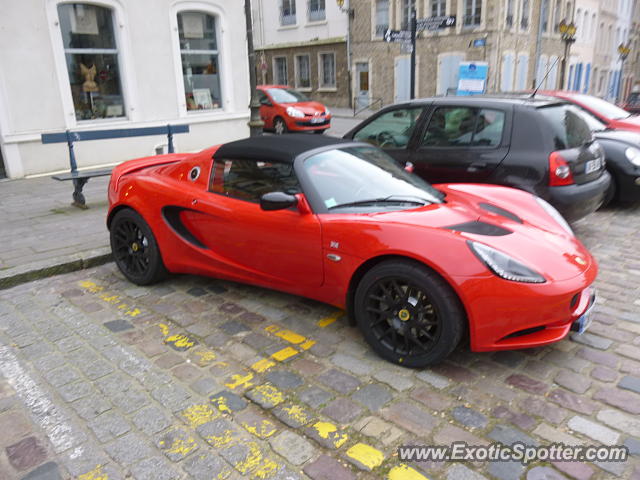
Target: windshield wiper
point(389, 199)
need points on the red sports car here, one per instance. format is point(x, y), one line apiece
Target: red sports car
point(611, 115)
point(418, 267)
point(283, 110)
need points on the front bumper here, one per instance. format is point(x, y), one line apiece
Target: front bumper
point(577, 201)
point(306, 124)
point(517, 315)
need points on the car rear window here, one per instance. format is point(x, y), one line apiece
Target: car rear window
point(569, 128)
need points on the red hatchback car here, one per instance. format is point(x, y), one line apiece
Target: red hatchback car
point(284, 109)
point(611, 115)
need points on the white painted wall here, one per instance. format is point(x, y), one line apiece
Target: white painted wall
point(268, 30)
point(35, 96)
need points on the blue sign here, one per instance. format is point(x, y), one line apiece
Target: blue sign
point(480, 42)
point(472, 78)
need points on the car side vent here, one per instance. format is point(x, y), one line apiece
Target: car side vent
point(500, 211)
point(480, 228)
point(171, 215)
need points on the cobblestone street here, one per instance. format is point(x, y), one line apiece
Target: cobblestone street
point(199, 378)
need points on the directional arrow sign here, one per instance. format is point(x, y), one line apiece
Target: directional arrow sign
point(436, 23)
point(402, 36)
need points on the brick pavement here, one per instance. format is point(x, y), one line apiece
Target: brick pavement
point(198, 378)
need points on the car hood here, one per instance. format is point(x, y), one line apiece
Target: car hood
point(626, 136)
point(506, 219)
point(308, 108)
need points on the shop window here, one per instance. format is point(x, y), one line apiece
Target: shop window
point(199, 55)
point(303, 74)
point(327, 70)
point(91, 55)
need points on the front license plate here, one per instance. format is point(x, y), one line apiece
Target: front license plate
point(592, 166)
point(316, 120)
point(585, 321)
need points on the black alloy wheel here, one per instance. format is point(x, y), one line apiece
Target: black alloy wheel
point(408, 314)
point(135, 249)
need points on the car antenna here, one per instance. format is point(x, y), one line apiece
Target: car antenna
point(544, 78)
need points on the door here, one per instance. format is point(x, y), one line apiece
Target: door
point(462, 144)
point(266, 109)
point(402, 79)
point(392, 130)
point(362, 82)
point(448, 70)
point(281, 247)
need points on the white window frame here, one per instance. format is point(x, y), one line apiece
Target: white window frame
point(323, 10)
point(321, 86)
point(226, 80)
point(296, 72)
point(282, 16)
point(275, 69)
point(525, 14)
point(374, 19)
point(125, 64)
point(474, 5)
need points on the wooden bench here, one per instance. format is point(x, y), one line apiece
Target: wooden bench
point(80, 178)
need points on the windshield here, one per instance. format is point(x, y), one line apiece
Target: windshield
point(602, 107)
point(286, 95)
point(365, 179)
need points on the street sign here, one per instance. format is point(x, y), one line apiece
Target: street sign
point(480, 42)
point(436, 23)
point(472, 78)
point(402, 36)
point(406, 47)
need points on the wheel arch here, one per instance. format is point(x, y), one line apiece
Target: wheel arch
point(372, 262)
point(115, 210)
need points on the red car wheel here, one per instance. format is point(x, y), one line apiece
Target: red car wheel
point(408, 314)
point(135, 249)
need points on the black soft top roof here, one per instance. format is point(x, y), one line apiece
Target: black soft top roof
point(275, 148)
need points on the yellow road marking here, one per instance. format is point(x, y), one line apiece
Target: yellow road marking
point(218, 441)
point(180, 341)
point(366, 455)
point(197, 415)
point(282, 355)
point(307, 345)
point(262, 365)
point(95, 474)
point(329, 431)
point(291, 337)
point(263, 430)
point(270, 393)
point(325, 322)
point(240, 380)
point(404, 472)
point(256, 464)
point(164, 328)
point(183, 447)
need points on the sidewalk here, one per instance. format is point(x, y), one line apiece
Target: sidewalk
point(340, 112)
point(41, 234)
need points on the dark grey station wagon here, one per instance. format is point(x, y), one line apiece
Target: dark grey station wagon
point(542, 146)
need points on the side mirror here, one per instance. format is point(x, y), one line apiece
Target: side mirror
point(265, 101)
point(408, 167)
point(277, 201)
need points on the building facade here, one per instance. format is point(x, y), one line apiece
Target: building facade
point(303, 44)
point(510, 35)
point(111, 64)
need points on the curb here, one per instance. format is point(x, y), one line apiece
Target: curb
point(55, 266)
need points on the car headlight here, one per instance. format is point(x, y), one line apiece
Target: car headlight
point(503, 265)
point(555, 214)
point(294, 112)
point(633, 155)
point(327, 111)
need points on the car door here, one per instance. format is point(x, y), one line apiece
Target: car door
point(276, 247)
point(266, 109)
point(462, 143)
point(392, 130)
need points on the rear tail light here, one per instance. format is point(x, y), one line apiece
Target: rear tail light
point(559, 171)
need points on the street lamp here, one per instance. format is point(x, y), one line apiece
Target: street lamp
point(568, 36)
point(623, 51)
